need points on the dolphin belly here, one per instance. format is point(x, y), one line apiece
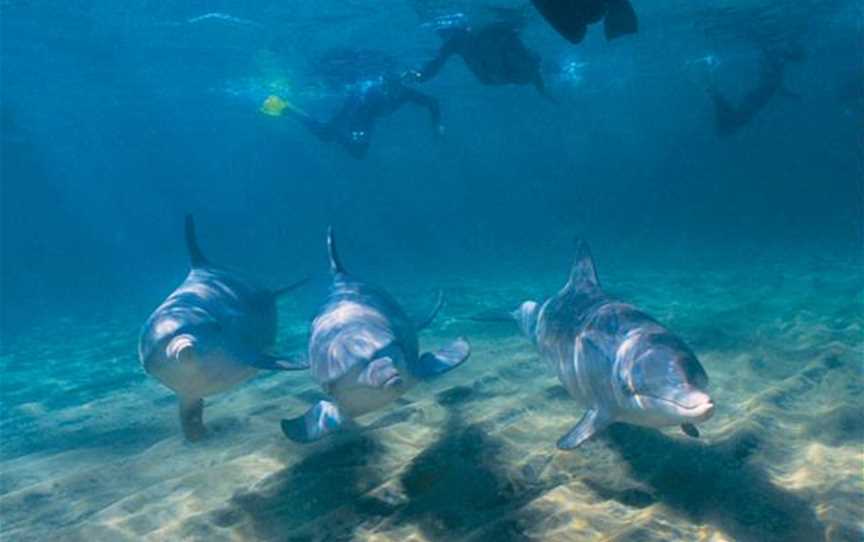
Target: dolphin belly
point(355, 400)
point(206, 378)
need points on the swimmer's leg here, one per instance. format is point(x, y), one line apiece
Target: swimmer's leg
point(427, 102)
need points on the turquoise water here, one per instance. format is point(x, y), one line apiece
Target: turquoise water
point(120, 119)
point(470, 456)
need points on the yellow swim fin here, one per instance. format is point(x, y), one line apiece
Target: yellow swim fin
point(274, 106)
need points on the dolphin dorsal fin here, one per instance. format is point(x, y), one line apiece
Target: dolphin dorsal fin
point(427, 321)
point(335, 263)
point(196, 258)
point(583, 275)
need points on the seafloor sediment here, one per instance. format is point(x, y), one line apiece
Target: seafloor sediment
point(91, 448)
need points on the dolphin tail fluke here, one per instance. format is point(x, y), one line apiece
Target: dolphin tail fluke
point(319, 421)
point(196, 257)
point(592, 422)
point(439, 304)
point(583, 275)
point(192, 418)
point(267, 362)
point(620, 19)
point(290, 288)
point(335, 263)
point(432, 364)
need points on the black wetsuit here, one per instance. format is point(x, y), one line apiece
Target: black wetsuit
point(729, 117)
point(572, 17)
point(494, 53)
point(353, 124)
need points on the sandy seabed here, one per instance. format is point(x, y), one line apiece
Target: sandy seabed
point(91, 447)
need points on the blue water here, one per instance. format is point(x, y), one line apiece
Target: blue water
point(119, 118)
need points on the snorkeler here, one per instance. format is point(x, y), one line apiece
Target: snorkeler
point(571, 18)
point(353, 124)
point(494, 53)
point(728, 117)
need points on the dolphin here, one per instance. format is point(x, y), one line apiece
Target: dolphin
point(212, 333)
point(363, 351)
point(616, 360)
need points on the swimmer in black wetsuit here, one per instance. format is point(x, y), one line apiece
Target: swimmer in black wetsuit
point(572, 17)
point(729, 117)
point(368, 100)
point(494, 53)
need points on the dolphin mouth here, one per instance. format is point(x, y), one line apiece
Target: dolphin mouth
point(393, 381)
point(702, 410)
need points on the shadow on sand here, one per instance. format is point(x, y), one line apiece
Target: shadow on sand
point(290, 504)
point(456, 489)
point(465, 486)
point(460, 489)
point(715, 484)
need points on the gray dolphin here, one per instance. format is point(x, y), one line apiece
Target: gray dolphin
point(615, 359)
point(212, 333)
point(364, 353)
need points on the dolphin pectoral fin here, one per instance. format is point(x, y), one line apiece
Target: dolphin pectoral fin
point(432, 364)
point(296, 362)
point(690, 430)
point(620, 19)
point(593, 421)
point(192, 418)
point(319, 421)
